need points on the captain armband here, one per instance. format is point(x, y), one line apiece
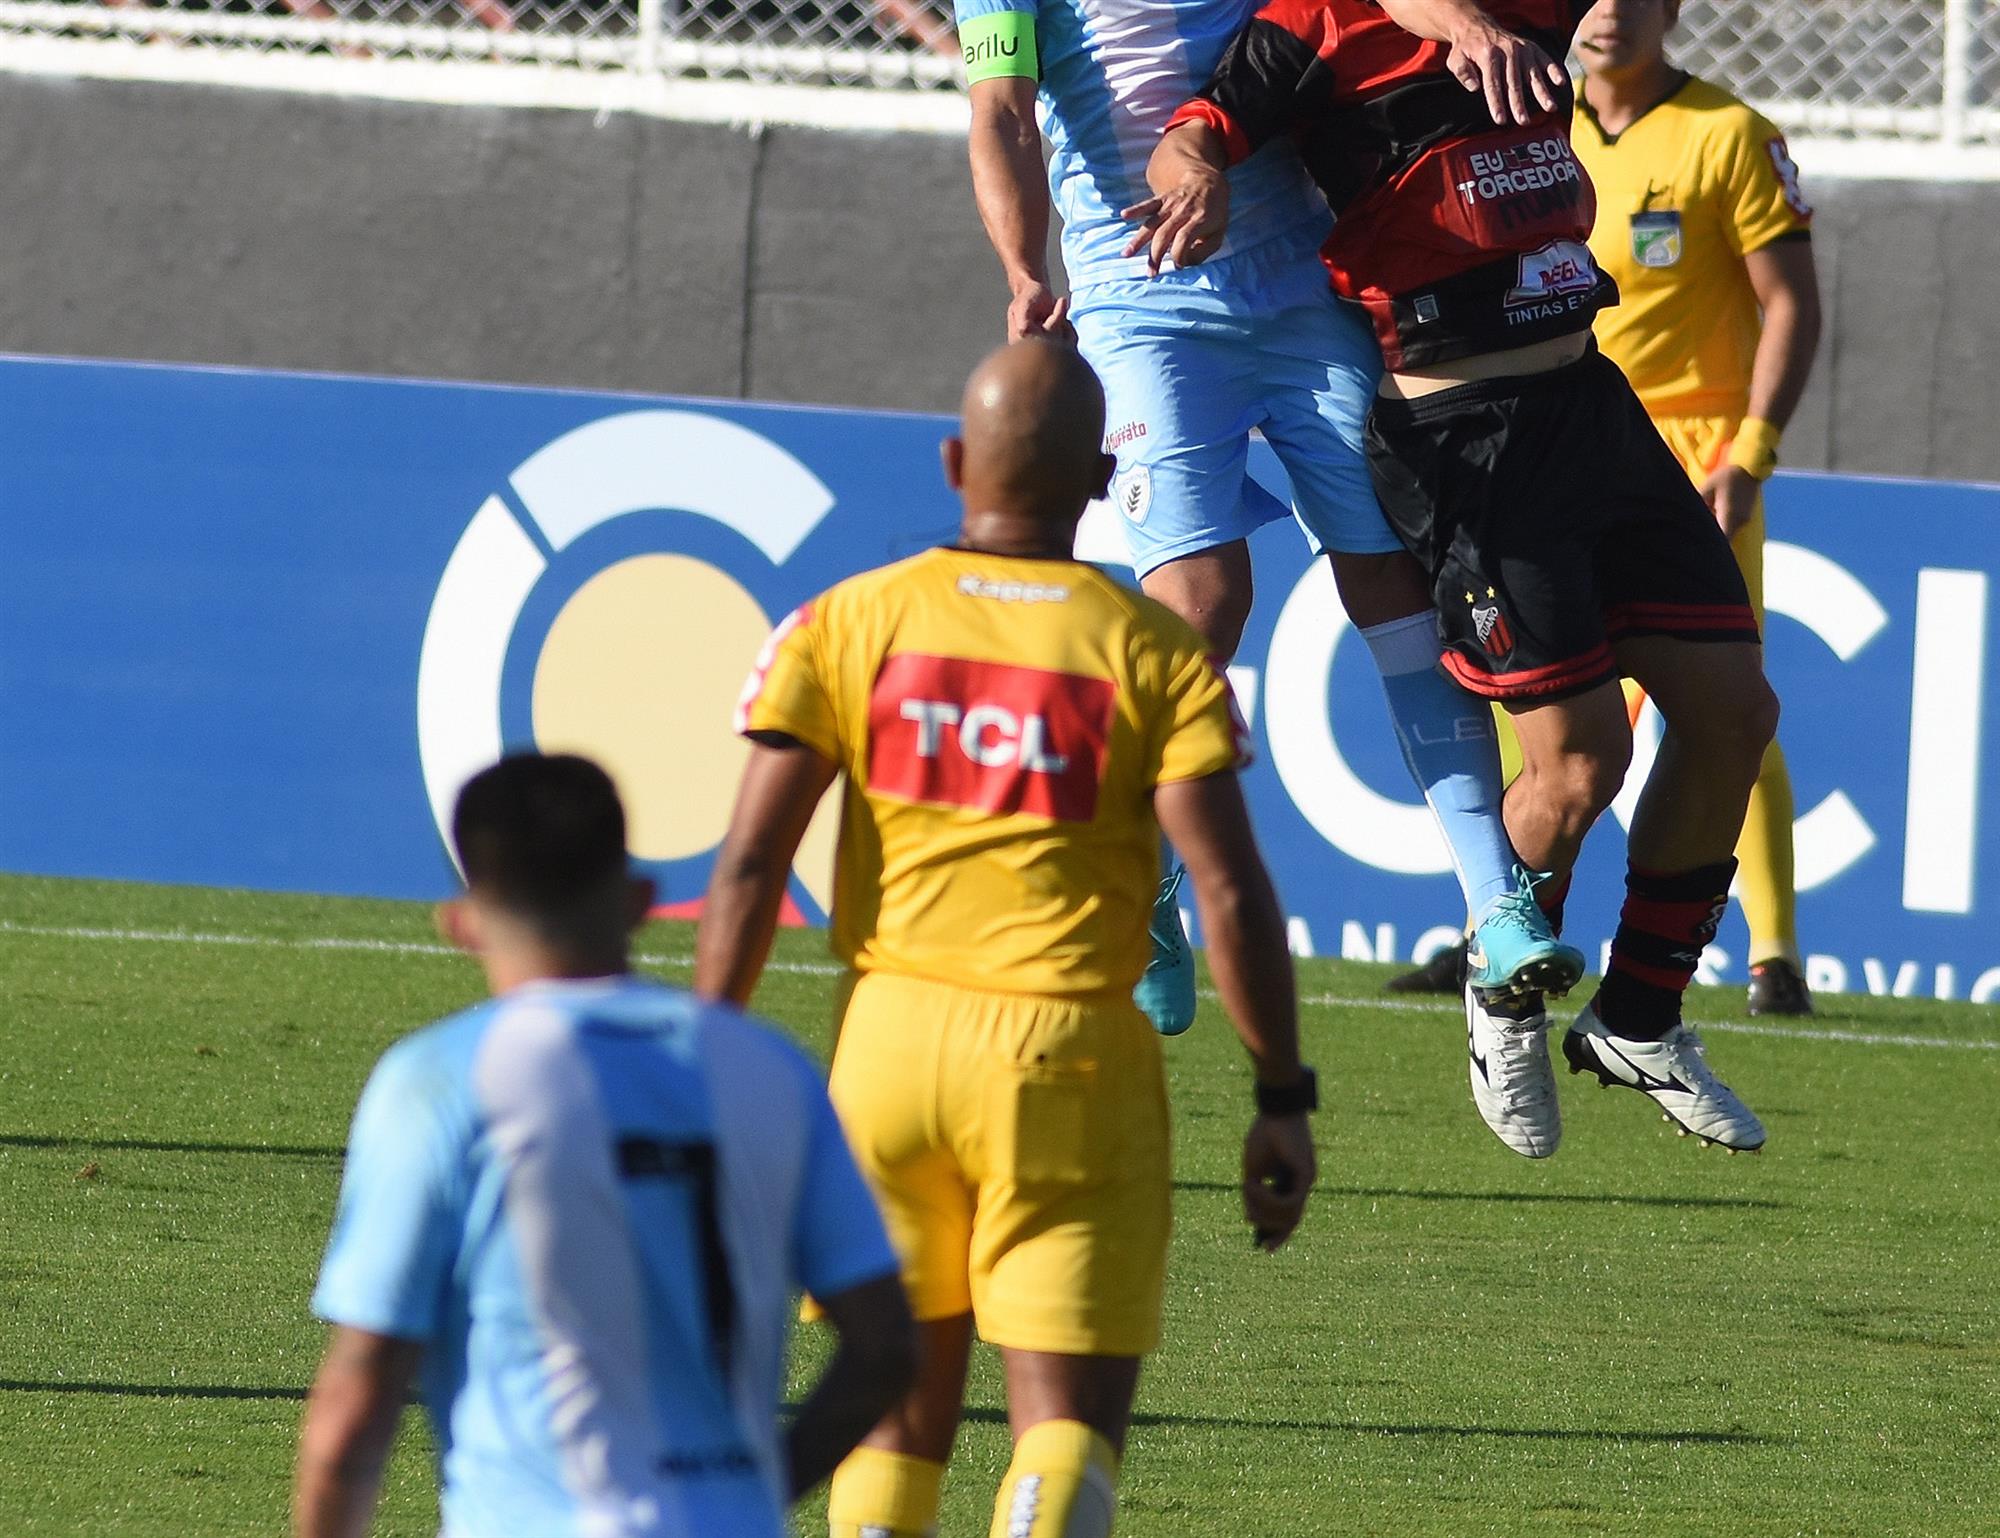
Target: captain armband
point(998, 46)
point(1755, 449)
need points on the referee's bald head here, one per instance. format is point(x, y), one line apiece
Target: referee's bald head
point(1033, 430)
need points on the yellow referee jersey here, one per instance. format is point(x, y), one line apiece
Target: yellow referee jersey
point(1683, 194)
point(1002, 722)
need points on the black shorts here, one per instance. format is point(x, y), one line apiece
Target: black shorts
point(1553, 522)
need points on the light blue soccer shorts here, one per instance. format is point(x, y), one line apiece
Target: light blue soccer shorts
point(1193, 361)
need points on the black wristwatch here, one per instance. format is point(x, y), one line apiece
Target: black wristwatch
point(1293, 1099)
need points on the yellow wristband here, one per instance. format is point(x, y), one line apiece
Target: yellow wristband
point(1755, 450)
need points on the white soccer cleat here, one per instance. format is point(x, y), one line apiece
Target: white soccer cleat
point(1674, 1072)
point(1513, 1082)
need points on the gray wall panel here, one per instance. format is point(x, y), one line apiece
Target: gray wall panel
point(206, 225)
point(1886, 315)
point(872, 284)
point(200, 225)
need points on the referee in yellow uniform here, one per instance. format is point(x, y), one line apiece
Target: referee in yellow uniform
point(1014, 731)
point(1701, 220)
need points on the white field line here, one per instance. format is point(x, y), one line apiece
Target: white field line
point(829, 969)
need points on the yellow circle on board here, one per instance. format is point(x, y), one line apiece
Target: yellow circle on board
point(641, 671)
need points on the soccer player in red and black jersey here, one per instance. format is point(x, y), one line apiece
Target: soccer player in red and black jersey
point(1564, 543)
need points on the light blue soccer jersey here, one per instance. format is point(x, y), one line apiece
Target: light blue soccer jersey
point(592, 1202)
point(1112, 73)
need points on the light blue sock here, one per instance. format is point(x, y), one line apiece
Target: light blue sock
point(1451, 751)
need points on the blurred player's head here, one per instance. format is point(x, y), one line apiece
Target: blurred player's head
point(541, 839)
point(1031, 443)
point(1620, 35)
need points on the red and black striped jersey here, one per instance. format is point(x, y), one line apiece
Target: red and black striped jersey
point(1459, 236)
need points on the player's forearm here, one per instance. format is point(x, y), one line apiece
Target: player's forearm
point(328, 1503)
point(1442, 21)
point(739, 918)
point(1187, 152)
point(1252, 966)
point(1012, 195)
point(1784, 358)
point(343, 1450)
point(850, 1398)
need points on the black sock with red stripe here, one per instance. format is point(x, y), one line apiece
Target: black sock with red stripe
point(1550, 895)
point(1666, 921)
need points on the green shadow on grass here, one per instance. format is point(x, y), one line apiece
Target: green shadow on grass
point(152, 1145)
point(153, 1390)
point(1389, 1193)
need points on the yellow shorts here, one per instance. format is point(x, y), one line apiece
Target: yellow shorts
point(1019, 1149)
point(1700, 444)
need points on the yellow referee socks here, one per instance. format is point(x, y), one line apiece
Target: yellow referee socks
point(1063, 1483)
point(877, 1494)
point(1764, 881)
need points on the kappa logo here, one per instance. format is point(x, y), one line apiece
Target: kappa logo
point(1134, 493)
point(1558, 268)
point(1009, 591)
point(953, 732)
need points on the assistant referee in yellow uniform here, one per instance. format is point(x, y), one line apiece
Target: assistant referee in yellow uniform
point(1701, 220)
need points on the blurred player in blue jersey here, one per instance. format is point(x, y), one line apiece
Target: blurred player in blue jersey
point(1244, 336)
point(576, 1214)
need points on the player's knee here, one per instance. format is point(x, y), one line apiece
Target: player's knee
point(1212, 591)
point(1739, 722)
point(1576, 786)
point(1219, 611)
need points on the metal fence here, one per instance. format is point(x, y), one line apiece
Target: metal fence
point(1907, 69)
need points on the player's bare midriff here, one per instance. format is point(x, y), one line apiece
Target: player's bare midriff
point(1535, 358)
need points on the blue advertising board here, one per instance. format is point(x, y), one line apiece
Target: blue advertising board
point(255, 629)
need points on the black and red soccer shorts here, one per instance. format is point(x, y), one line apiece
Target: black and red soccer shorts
point(1554, 523)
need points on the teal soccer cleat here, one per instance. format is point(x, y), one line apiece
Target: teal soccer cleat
point(1166, 991)
point(1513, 951)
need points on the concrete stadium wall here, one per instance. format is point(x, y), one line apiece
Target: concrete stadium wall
point(205, 225)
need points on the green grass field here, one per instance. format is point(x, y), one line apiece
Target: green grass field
point(1641, 1336)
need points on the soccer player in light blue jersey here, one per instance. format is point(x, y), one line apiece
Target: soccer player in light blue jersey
point(577, 1214)
point(1247, 336)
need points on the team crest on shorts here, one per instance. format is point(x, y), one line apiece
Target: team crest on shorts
point(1491, 626)
point(1133, 492)
point(1656, 238)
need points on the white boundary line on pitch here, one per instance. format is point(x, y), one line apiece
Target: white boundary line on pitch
point(828, 969)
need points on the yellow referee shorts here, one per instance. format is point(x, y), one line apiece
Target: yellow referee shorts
point(1701, 444)
point(1018, 1147)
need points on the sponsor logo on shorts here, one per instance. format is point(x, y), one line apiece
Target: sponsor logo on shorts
point(1656, 238)
point(1118, 437)
point(1133, 492)
point(1491, 626)
point(1426, 306)
point(953, 732)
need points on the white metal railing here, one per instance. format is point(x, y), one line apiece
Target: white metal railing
point(1923, 71)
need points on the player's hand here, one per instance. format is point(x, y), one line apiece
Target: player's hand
point(1731, 494)
point(1185, 224)
point(1519, 81)
point(1278, 1174)
point(1037, 311)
